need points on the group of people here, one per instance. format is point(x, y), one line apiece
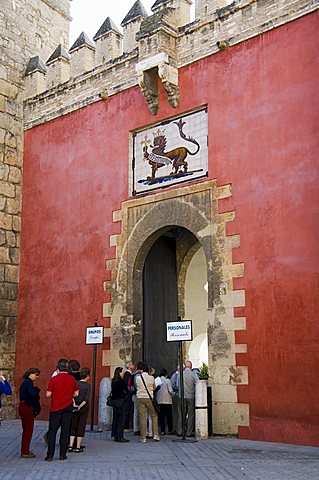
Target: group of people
point(133, 392)
point(69, 392)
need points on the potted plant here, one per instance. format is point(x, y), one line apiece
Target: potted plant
point(203, 372)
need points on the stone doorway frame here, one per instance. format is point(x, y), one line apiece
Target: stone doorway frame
point(194, 209)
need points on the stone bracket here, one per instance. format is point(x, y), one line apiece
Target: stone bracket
point(152, 69)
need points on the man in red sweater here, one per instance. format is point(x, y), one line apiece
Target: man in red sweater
point(61, 389)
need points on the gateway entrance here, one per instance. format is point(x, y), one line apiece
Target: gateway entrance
point(160, 303)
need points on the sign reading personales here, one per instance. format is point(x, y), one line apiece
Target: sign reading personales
point(94, 335)
point(171, 152)
point(179, 331)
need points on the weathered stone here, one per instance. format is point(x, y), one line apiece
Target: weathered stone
point(5, 221)
point(16, 224)
point(11, 325)
point(6, 189)
point(8, 308)
point(13, 206)
point(2, 103)
point(4, 255)
point(10, 238)
point(2, 237)
point(2, 203)
point(13, 158)
point(11, 273)
point(14, 254)
point(14, 175)
point(8, 90)
point(3, 325)
point(4, 171)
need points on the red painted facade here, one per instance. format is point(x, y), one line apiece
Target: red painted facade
point(262, 98)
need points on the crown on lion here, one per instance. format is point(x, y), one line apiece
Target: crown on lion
point(159, 133)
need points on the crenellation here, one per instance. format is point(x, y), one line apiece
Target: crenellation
point(131, 26)
point(229, 25)
point(108, 42)
point(58, 67)
point(82, 55)
point(179, 10)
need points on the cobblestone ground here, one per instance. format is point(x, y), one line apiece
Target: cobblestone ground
point(213, 459)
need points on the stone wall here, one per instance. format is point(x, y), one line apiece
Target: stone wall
point(28, 27)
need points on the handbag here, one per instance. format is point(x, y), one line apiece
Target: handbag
point(109, 400)
point(153, 400)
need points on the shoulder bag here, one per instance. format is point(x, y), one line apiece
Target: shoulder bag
point(153, 400)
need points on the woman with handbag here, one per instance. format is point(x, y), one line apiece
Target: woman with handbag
point(29, 407)
point(118, 395)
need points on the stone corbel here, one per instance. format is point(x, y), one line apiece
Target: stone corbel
point(169, 76)
point(148, 84)
point(148, 72)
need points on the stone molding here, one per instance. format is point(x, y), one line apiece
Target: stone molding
point(193, 209)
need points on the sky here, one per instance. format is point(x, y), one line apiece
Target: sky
point(88, 15)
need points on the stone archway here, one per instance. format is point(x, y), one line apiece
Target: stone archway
point(192, 209)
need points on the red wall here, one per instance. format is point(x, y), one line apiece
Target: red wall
point(263, 139)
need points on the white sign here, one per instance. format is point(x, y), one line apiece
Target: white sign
point(179, 331)
point(94, 335)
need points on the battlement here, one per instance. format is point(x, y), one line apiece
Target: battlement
point(149, 48)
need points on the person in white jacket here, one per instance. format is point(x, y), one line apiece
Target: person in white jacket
point(164, 398)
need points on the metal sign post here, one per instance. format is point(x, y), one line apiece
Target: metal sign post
point(94, 336)
point(180, 332)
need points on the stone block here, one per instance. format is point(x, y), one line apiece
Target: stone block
point(7, 189)
point(8, 90)
point(2, 237)
point(227, 417)
point(12, 273)
point(13, 157)
point(2, 103)
point(229, 375)
point(107, 309)
point(4, 255)
point(14, 175)
point(224, 393)
point(117, 215)
point(8, 308)
point(113, 240)
point(14, 254)
point(3, 325)
point(10, 238)
point(234, 298)
point(5, 221)
point(16, 224)
point(13, 206)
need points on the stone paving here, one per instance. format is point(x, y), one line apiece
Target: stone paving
point(214, 459)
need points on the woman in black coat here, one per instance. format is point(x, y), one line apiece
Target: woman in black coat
point(119, 392)
point(29, 408)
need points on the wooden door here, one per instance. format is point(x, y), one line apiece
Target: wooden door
point(160, 304)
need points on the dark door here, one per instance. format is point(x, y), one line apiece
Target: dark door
point(160, 304)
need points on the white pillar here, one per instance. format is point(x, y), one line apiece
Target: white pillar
point(201, 410)
point(105, 412)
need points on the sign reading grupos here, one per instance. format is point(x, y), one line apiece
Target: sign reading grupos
point(179, 331)
point(94, 335)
